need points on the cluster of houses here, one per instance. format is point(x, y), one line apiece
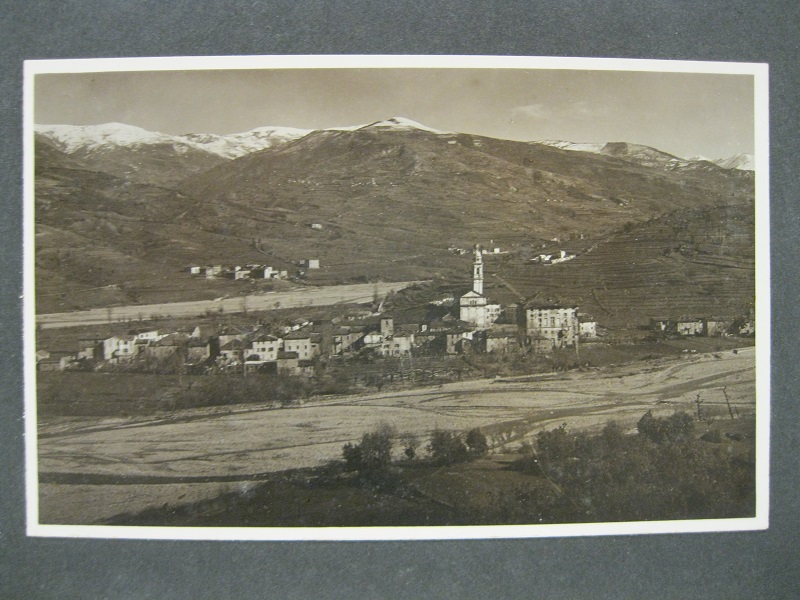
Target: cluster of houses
point(482, 326)
point(238, 272)
point(250, 271)
point(702, 326)
point(553, 258)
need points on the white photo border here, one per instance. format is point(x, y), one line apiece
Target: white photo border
point(760, 73)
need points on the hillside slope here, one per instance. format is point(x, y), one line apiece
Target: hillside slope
point(697, 262)
point(390, 198)
point(404, 195)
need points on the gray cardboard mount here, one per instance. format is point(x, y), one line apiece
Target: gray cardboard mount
point(730, 565)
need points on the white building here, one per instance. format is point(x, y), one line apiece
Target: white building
point(120, 347)
point(265, 347)
point(588, 329)
point(299, 342)
point(555, 326)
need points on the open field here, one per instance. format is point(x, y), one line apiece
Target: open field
point(299, 297)
point(91, 469)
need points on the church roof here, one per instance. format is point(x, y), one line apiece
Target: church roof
point(473, 294)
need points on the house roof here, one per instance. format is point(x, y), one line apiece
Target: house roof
point(124, 338)
point(503, 331)
point(300, 334)
point(265, 337)
point(235, 344)
point(550, 305)
point(173, 339)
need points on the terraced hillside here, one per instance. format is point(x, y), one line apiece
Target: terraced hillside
point(689, 263)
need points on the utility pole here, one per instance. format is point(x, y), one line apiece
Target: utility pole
point(727, 401)
point(698, 402)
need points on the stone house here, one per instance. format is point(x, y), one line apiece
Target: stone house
point(233, 351)
point(716, 327)
point(171, 345)
point(265, 347)
point(556, 323)
point(120, 348)
point(460, 339)
point(688, 327)
point(299, 342)
point(502, 339)
point(347, 339)
point(197, 350)
point(588, 330)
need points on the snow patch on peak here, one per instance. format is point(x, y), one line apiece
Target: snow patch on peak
point(743, 162)
point(235, 145)
point(88, 138)
point(574, 146)
point(70, 138)
point(400, 124)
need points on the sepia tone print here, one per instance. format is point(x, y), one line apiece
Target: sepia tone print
point(401, 297)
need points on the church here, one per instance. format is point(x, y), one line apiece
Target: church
point(474, 305)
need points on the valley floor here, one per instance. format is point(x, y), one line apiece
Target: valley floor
point(93, 469)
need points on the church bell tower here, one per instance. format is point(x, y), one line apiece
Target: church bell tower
point(477, 271)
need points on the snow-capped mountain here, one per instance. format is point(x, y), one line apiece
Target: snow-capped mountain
point(575, 146)
point(157, 158)
point(399, 124)
point(638, 153)
point(743, 162)
point(647, 156)
point(91, 138)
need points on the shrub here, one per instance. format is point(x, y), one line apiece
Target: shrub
point(476, 442)
point(410, 444)
point(612, 477)
point(447, 447)
point(613, 435)
point(556, 443)
point(678, 427)
point(352, 456)
point(373, 453)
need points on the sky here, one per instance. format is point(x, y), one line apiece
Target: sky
point(686, 114)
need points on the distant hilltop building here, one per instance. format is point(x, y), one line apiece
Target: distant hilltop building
point(474, 305)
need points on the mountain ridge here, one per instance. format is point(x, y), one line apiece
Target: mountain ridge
point(647, 154)
point(88, 138)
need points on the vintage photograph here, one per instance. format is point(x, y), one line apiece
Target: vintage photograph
point(395, 297)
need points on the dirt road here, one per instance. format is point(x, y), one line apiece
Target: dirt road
point(297, 298)
point(91, 469)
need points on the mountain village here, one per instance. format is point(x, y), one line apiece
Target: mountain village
point(480, 326)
